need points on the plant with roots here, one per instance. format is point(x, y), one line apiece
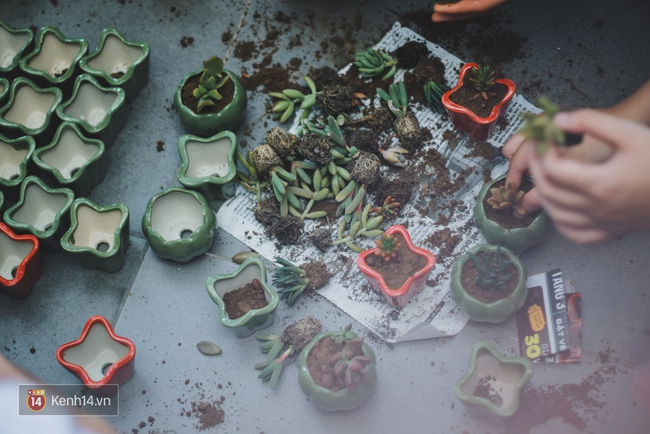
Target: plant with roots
point(293, 280)
point(542, 129)
point(387, 246)
point(289, 99)
point(433, 92)
point(492, 269)
point(350, 362)
point(212, 78)
point(372, 62)
point(389, 209)
point(406, 124)
point(295, 337)
point(506, 197)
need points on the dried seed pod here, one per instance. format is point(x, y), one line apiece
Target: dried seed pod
point(282, 141)
point(316, 148)
point(265, 159)
point(365, 168)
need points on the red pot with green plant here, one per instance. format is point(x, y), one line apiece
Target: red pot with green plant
point(396, 267)
point(478, 101)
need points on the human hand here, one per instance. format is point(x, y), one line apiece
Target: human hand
point(463, 10)
point(589, 149)
point(590, 202)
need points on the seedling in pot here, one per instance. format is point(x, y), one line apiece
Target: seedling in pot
point(373, 62)
point(350, 361)
point(387, 246)
point(541, 128)
point(506, 197)
point(211, 80)
point(491, 270)
point(483, 80)
point(296, 336)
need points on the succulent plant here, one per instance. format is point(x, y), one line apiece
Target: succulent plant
point(542, 129)
point(373, 62)
point(364, 168)
point(282, 141)
point(350, 363)
point(389, 209)
point(506, 197)
point(211, 80)
point(433, 94)
point(394, 156)
point(252, 181)
point(288, 99)
point(361, 224)
point(483, 80)
point(293, 280)
point(387, 246)
point(406, 124)
point(491, 268)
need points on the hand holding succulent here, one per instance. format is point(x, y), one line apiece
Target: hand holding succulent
point(506, 197)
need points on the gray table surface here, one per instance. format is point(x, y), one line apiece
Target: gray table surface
point(578, 56)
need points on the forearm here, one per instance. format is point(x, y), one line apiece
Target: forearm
point(636, 107)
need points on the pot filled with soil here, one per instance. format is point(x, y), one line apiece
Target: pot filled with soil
point(493, 383)
point(210, 100)
point(246, 302)
point(337, 370)
point(493, 216)
point(396, 267)
point(489, 283)
point(478, 101)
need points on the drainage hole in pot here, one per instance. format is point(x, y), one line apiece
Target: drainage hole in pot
point(47, 227)
point(103, 246)
point(73, 172)
point(496, 400)
point(14, 271)
point(186, 234)
point(14, 177)
point(105, 368)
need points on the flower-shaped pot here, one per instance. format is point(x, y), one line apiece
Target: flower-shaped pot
point(20, 262)
point(118, 62)
point(30, 111)
point(41, 211)
point(179, 224)
point(344, 399)
point(493, 384)
point(208, 124)
point(74, 160)
point(401, 295)
point(4, 91)
point(54, 60)
point(516, 239)
point(14, 43)
point(99, 235)
point(15, 155)
point(219, 285)
point(99, 111)
point(494, 311)
point(467, 121)
point(208, 164)
point(99, 357)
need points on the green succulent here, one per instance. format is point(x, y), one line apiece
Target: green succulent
point(491, 269)
point(373, 62)
point(433, 92)
point(483, 79)
point(289, 99)
point(541, 128)
point(212, 78)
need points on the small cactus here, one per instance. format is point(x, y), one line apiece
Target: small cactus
point(506, 197)
point(387, 246)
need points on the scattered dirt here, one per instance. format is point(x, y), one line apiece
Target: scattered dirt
point(239, 301)
point(186, 41)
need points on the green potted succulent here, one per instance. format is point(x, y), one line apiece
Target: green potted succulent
point(493, 384)
point(494, 217)
point(478, 101)
point(179, 224)
point(489, 283)
point(249, 277)
point(337, 370)
point(210, 100)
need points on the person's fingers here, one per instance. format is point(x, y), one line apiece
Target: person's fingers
point(467, 6)
point(598, 124)
point(512, 145)
point(583, 236)
point(443, 17)
point(518, 166)
point(530, 203)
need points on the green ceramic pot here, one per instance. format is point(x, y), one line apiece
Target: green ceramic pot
point(41, 211)
point(517, 239)
point(497, 311)
point(14, 43)
point(54, 60)
point(118, 62)
point(72, 159)
point(499, 396)
point(209, 124)
point(4, 91)
point(15, 155)
point(30, 111)
point(219, 285)
point(208, 164)
point(99, 111)
point(343, 399)
point(99, 235)
point(179, 224)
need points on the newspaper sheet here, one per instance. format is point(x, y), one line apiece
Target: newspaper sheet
point(431, 313)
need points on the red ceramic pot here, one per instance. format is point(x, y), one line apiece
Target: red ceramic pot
point(465, 120)
point(99, 357)
point(413, 285)
point(20, 262)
